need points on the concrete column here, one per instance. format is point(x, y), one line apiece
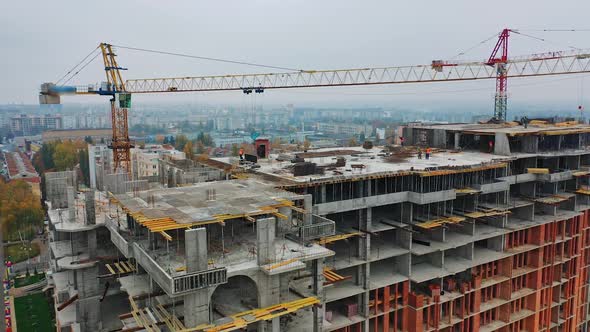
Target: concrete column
point(361, 186)
point(90, 207)
point(196, 304)
point(501, 146)
point(406, 213)
point(265, 240)
point(308, 206)
point(91, 243)
point(284, 287)
point(195, 245)
point(322, 198)
point(364, 216)
point(88, 313)
point(457, 140)
point(71, 203)
point(318, 290)
point(269, 293)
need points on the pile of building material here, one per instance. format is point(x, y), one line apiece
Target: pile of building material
point(397, 154)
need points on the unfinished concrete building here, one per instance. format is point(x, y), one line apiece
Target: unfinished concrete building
point(79, 247)
point(180, 172)
point(478, 237)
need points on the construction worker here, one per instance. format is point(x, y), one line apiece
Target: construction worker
point(491, 146)
point(419, 153)
point(428, 151)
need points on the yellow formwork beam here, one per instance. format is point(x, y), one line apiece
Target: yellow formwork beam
point(461, 170)
point(332, 276)
point(537, 170)
point(243, 319)
point(119, 268)
point(280, 216)
point(338, 237)
point(166, 236)
point(466, 191)
point(481, 214)
point(108, 266)
point(280, 264)
point(440, 221)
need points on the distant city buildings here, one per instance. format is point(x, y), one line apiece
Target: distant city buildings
point(25, 125)
point(77, 134)
point(344, 128)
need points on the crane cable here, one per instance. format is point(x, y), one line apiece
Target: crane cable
point(81, 68)
point(519, 32)
point(495, 35)
point(76, 66)
point(206, 58)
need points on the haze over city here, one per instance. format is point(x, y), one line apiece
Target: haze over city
point(269, 166)
point(293, 34)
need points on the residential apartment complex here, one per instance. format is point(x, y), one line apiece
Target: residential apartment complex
point(26, 125)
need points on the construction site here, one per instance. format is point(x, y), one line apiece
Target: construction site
point(462, 227)
point(348, 239)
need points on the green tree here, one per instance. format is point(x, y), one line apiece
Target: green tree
point(20, 210)
point(306, 145)
point(188, 150)
point(235, 150)
point(180, 142)
point(200, 147)
point(65, 156)
point(84, 165)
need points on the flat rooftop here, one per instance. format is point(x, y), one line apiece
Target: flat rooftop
point(60, 217)
point(366, 162)
point(513, 128)
point(205, 202)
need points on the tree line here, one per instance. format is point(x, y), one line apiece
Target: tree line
point(20, 210)
point(61, 156)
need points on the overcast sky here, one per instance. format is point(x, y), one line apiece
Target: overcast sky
point(42, 39)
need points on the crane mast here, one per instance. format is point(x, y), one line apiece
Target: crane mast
point(498, 66)
point(501, 98)
point(120, 102)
